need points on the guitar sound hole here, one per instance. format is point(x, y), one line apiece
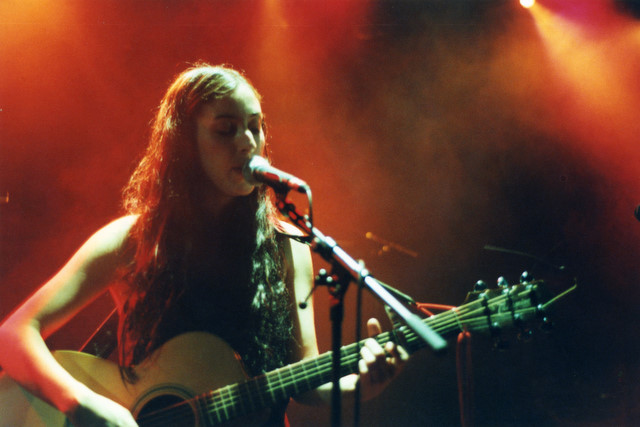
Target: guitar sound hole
point(166, 410)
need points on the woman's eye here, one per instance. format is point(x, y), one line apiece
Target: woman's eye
point(226, 128)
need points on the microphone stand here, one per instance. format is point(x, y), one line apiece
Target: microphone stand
point(346, 269)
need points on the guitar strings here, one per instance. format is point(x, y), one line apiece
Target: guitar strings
point(224, 403)
point(291, 377)
point(228, 403)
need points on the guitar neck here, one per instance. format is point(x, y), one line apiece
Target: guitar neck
point(270, 389)
point(484, 314)
point(279, 385)
point(164, 399)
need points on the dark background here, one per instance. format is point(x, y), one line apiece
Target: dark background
point(441, 126)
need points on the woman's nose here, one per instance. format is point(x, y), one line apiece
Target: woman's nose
point(247, 141)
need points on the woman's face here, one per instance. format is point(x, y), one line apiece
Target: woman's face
point(228, 132)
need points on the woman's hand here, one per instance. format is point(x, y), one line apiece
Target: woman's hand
point(96, 410)
point(378, 365)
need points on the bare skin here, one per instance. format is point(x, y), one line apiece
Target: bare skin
point(229, 131)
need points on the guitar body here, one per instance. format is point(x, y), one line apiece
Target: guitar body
point(186, 366)
point(196, 379)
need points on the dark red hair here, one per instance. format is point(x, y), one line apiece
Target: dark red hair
point(163, 193)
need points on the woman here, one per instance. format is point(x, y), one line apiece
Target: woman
point(199, 250)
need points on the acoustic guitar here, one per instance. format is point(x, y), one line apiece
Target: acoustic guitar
point(196, 379)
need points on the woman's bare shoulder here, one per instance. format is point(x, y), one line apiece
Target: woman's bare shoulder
point(113, 236)
point(106, 251)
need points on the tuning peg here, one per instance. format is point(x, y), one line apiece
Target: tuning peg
point(502, 282)
point(525, 277)
point(480, 286)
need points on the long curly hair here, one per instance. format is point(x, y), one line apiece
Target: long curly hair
point(171, 238)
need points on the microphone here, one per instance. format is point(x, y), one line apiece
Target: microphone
point(257, 170)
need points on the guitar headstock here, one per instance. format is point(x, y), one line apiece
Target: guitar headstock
point(489, 310)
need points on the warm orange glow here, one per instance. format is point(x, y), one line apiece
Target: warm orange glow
point(297, 48)
point(594, 56)
point(527, 3)
point(44, 15)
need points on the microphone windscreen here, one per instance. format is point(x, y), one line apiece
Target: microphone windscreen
point(250, 166)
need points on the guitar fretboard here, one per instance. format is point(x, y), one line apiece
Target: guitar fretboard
point(511, 306)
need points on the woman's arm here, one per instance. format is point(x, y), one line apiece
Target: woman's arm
point(25, 356)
